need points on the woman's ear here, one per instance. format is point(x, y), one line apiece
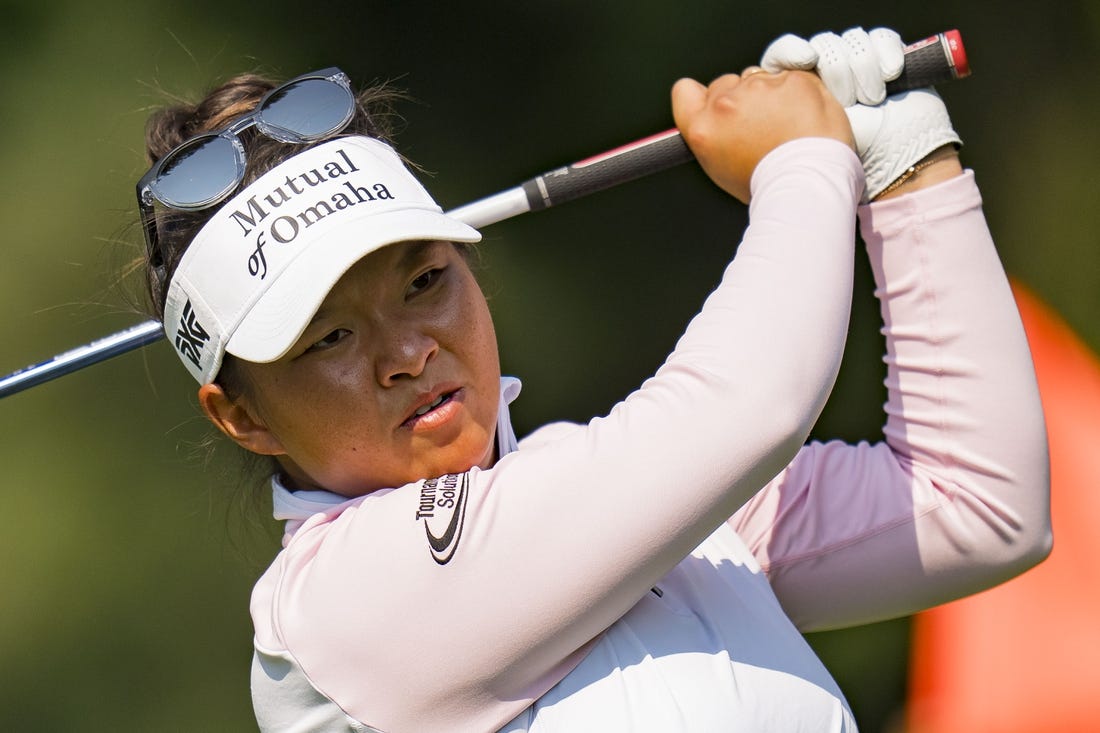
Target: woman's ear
point(234, 419)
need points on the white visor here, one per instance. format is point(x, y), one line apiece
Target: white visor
point(256, 273)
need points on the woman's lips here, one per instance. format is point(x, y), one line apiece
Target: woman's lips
point(435, 403)
point(435, 409)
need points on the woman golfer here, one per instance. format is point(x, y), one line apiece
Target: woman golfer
point(651, 570)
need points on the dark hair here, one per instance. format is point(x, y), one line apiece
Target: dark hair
point(171, 126)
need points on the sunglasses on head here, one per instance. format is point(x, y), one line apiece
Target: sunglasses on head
point(203, 171)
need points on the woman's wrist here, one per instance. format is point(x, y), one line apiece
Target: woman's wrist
point(936, 167)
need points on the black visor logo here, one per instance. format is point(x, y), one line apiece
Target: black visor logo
point(191, 337)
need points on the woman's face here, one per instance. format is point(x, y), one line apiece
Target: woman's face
point(395, 379)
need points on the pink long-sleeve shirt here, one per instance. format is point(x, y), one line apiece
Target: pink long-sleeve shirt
point(652, 570)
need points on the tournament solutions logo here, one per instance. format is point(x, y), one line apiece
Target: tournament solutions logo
point(443, 509)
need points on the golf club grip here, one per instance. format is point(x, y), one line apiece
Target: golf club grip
point(640, 158)
point(936, 59)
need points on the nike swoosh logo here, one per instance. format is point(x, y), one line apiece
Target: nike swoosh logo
point(443, 546)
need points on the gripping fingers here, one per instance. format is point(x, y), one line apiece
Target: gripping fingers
point(689, 97)
point(833, 68)
point(849, 66)
point(864, 63)
point(789, 52)
point(856, 65)
point(890, 50)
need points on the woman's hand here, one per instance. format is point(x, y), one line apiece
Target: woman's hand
point(734, 122)
point(895, 134)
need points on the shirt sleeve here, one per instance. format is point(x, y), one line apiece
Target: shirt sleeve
point(956, 497)
point(528, 562)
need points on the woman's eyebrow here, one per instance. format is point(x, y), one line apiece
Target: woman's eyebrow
point(414, 251)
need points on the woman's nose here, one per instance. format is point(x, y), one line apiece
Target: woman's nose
point(405, 354)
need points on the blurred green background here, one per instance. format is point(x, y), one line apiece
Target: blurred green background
point(127, 558)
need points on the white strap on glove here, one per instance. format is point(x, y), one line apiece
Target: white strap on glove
point(892, 133)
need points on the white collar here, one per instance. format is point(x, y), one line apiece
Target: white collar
point(297, 506)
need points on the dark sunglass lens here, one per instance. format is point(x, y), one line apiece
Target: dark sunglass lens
point(198, 173)
point(311, 108)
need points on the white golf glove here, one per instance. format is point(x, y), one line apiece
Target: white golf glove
point(892, 133)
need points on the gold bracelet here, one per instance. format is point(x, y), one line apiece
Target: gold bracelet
point(909, 173)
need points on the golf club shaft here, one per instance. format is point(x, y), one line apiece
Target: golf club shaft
point(936, 59)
